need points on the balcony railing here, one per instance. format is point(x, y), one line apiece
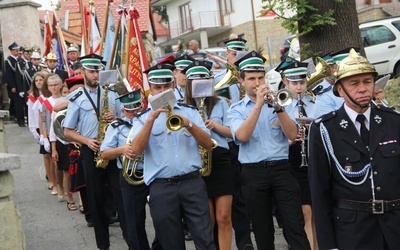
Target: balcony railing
point(200, 20)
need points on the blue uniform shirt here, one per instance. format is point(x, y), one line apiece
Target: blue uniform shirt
point(219, 115)
point(327, 101)
point(80, 112)
point(116, 137)
point(234, 89)
point(179, 93)
point(268, 142)
point(309, 106)
point(170, 153)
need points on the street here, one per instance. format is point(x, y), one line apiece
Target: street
point(47, 223)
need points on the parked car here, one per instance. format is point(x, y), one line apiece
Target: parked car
point(381, 41)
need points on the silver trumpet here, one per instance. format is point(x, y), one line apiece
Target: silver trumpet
point(282, 97)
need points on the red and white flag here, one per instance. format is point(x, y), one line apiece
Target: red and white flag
point(95, 37)
point(48, 33)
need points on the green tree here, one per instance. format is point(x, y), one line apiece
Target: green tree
point(323, 25)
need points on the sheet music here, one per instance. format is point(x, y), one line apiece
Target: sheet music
point(162, 99)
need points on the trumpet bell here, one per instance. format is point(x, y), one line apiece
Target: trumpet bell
point(284, 97)
point(174, 122)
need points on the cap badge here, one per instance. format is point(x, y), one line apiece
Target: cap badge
point(131, 95)
point(343, 123)
point(159, 66)
point(253, 53)
point(196, 63)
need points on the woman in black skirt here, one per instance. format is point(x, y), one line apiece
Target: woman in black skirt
point(220, 182)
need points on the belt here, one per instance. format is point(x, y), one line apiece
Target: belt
point(179, 178)
point(266, 163)
point(374, 207)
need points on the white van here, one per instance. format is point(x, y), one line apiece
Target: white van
point(381, 41)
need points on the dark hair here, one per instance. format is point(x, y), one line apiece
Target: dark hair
point(209, 102)
point(77, 65)
point(242, 73)
point(33, 89)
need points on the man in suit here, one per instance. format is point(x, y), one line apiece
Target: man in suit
point(11, 79)
point(354, 158)
point(51, 61)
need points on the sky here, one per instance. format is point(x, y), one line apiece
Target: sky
point(45, 4)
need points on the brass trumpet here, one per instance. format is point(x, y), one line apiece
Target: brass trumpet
point(282, 97)
point(174, 121)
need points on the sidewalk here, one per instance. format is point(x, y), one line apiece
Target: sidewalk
point(47, 223)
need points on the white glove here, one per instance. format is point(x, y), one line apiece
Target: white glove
point(36, 136)
point(21, 94)
point(46, 145)
point(41, 140)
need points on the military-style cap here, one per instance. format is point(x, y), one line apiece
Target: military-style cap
point(51, 56)
point(72, 47)
point(75, 80)
point(160, 74)
point(35, 55)
point(131, 100)
point(26, 49)
point(92, 62)
point(285, 63)
point(198, 70)
point(381, 83)
point(352, 65)
point(328, 58)
point(42, 63)
point(168, 60)
point(13, 46)
point(183, 61)
point(338, 56)
point(252, 61)
point(236, 44)
point(296, 71)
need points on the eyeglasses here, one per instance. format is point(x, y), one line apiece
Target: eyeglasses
point(53, 85)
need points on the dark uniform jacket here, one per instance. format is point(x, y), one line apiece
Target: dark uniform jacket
point(11, 72)
point(350, 228)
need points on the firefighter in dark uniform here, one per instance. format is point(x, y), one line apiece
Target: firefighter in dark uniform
point(354, 158)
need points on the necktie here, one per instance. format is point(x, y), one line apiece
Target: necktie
point(302, 109)
point(52, 71)
point(363, 130)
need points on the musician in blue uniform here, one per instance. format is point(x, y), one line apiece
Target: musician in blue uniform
point(116, 146)
point(84, 110)
point(232, 47)
point(171, 167)
point(354, 166)
point(302, 106)
point(326, 101)
point(220, 181)
point(262, 133)
point(180, 64)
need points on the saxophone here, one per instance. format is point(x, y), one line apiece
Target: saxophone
point(206, 155)
point(103, 124)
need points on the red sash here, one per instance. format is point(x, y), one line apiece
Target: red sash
point(48, 105)
point(31, 98)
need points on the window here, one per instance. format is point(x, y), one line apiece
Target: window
point(396, 24)
point(226, 6)
point(185, 17)
point(376, 35)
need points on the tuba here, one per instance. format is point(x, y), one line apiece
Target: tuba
point(103, 124)
point(206, 155)
point(231, 77)
point(129, 172)
point(322, 70)
point(58, 125)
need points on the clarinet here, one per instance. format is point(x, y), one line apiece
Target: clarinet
point(302, 131)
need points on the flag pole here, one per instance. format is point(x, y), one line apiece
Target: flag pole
point(103, 37)
point(62, 41)
point(84, 26)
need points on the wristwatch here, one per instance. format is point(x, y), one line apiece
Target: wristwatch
point(282, 109)
point(190, 125)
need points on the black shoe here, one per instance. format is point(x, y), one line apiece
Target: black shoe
point(248, 247)
point(113, 219)
point(105, 248)
point(21, 125)
point(188, 236)
point(90, 224)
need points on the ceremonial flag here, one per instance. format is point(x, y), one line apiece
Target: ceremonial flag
point(95, 37)
point(109, 39)
point(136, 54)
point(84, 28)
point(47, 35)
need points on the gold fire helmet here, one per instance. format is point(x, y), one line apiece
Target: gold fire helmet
point(352, 65)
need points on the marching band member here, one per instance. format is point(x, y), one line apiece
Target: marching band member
point(176, 187)
point(295, 79)
point(84, 110)
point(354, 159)
point(180, 64)
point(262, 133)
point(220, 182)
